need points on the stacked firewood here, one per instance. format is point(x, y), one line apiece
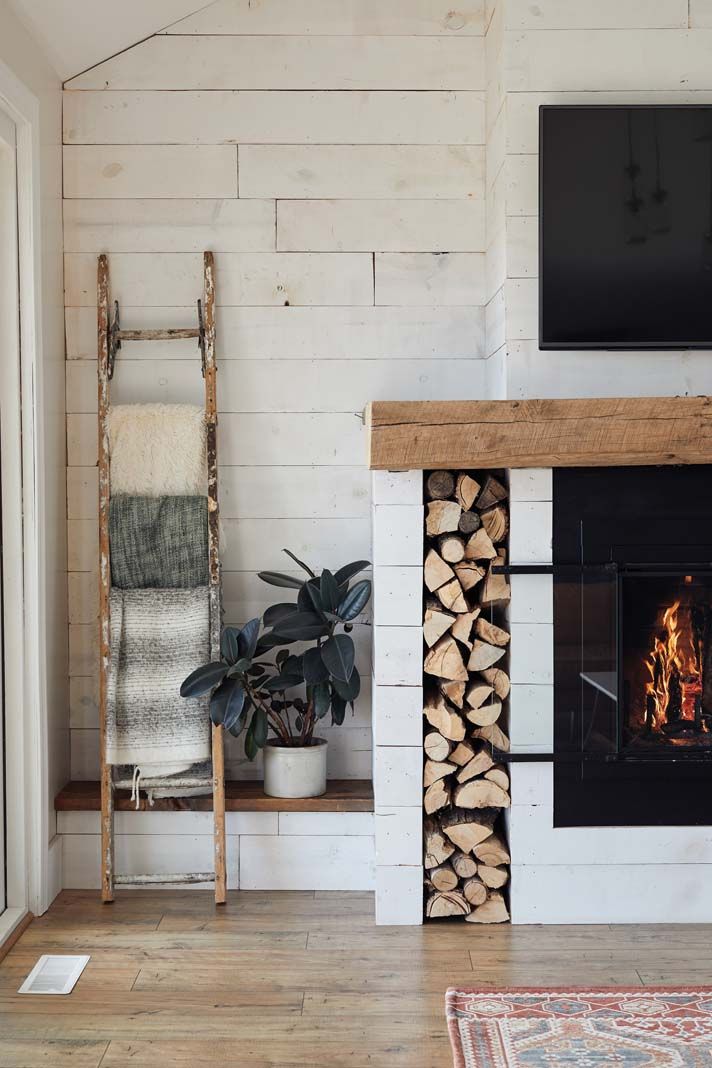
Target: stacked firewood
point(466, 687)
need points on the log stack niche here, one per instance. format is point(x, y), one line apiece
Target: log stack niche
point(465, 689)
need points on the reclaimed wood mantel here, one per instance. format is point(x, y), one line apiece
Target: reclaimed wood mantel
point(608, 432)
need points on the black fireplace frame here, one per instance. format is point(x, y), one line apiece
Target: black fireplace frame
point(670, 785)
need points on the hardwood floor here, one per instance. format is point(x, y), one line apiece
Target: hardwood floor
point(291, 980)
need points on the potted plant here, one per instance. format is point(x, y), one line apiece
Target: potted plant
point(280, 701)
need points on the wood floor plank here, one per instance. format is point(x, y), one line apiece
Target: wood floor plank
point(59, 1053)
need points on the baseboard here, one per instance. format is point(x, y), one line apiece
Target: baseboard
point(17, 926)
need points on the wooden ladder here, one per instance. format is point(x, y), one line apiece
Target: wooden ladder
point(110, 337)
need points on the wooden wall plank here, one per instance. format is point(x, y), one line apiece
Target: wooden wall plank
point(573, 59)
point(405, 172)
point(442, 279)
point(601, 14)
point(541, 433)
point(383, 17)
point(523, 108)
point(258, 492)
point(278, 385)
point(292, 62)
point(337, 333)
point(159, 171)
point(281, 118)
point(226, 225)
point(381, 225)
point(249, 278)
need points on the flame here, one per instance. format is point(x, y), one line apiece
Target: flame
point(673, 664)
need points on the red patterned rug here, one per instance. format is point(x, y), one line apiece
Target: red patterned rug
point(631, 1027)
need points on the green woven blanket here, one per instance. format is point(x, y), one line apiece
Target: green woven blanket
point(158, 542)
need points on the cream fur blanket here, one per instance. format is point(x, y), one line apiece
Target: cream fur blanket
point(158, 450)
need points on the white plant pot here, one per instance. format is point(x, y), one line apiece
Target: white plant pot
point(295, 771)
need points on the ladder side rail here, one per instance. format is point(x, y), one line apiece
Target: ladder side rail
point(107, 795)
point(211, 419)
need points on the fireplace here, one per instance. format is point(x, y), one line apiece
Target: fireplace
point(632, 564)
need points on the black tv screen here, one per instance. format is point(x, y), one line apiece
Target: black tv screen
point(625, 250)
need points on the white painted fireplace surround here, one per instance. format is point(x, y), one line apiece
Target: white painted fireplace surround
point(562, 875)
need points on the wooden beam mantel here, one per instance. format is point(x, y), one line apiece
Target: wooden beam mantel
point(612, 432)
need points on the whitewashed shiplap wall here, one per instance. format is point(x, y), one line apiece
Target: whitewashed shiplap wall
point(563, 52)
point(332, 154)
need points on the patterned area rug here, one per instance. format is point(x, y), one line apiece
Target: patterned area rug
point(629, 1027)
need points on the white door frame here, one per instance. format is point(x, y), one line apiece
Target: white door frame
point(26, 743)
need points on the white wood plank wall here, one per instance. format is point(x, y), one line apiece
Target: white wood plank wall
point(582, 52)
point(332, 154)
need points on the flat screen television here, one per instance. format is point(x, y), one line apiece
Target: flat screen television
point(625, 221)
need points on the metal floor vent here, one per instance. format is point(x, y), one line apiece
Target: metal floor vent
point(54, 975)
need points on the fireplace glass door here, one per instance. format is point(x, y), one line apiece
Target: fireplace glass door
point(632, 646)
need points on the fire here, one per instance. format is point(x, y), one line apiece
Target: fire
point(674, 689)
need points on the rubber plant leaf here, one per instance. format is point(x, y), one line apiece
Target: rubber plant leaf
point(204, 679)
point(275, 612)
point(349, 570)
point(247, 638)
point(304, 567)
point(314, 668)
point(274, 578)
point(355, 600)
point(348, 690)
point(338, 653)
point(229, 649)
point(259, 727)
point(329, 590)
point(321, 695)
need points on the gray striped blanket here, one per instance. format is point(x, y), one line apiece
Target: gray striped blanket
point(157, 638)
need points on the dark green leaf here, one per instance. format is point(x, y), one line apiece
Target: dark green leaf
point(275, 612)
point(240, 667)
point(355, 600)
point(282, 682)
point(293, 665)
point(228, 644)
point(260, 725)
point(234, 719)
point(329, 589)
point(338, 709)
point(298, 722)
point(348, 690)
point(338, 654)
point(302, 626)
point(315, 670)
point(247, 638)
point(270, 641)
point(274, 578)
point(251, 748)
point(321, 695)
point(349, 570)
point(301, 563)
point(203, 679)
point(219, 700)
point(281, 656)
point(309, 598)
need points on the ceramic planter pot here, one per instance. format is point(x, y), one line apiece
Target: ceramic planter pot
point(295, 771)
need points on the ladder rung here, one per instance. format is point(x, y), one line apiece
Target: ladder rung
point(157, 335)
point(156, 880)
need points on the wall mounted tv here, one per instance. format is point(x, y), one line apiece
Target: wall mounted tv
point(625, 221)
